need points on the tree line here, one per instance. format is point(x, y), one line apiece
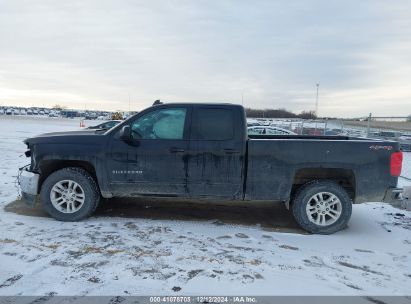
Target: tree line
point(278, 113)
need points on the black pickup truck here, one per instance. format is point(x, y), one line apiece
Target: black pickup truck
point(203, 151)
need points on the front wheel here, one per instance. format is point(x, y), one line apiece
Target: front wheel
point(322, 207)
point(70, 194)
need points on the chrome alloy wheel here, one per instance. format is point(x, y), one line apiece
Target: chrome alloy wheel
point(67, 196)
point(324, 209)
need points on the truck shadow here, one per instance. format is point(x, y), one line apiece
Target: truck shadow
point(267, 215)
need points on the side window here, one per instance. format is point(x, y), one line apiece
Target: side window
point(213, 124)
point(111, 124)
point(160, 124)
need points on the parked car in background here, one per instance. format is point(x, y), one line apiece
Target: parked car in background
point(355, 133)
point(90, 115)
point(332, 132)
point(264, 130)
point(264, 122)
point(253, 124)
point(101, 117)
point(405, 142)
point(106, 125)
point(54, 113)
point(386, 135)
point(9, 111)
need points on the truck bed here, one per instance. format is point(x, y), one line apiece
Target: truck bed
point(276, 163)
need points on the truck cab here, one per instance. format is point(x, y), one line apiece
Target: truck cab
point(179, 150)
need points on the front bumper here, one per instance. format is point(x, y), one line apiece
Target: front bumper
point(28, 182)
point(393, 196)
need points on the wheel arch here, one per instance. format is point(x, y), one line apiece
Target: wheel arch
point(343, 177)
point(48, 167)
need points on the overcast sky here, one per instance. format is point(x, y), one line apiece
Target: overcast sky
point(95, 54)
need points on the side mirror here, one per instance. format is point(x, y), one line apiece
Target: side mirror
point(125, 133)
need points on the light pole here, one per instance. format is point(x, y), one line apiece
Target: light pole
point(316, 100)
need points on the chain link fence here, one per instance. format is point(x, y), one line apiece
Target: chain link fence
point(390, 128)
point(383, 128)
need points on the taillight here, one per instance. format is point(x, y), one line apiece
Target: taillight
point(396, 163)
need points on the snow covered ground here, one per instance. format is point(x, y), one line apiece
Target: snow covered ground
point(140, 256)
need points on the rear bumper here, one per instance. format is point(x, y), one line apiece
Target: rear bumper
point(393, 195)
point(28, 182)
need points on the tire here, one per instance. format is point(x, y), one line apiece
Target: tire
point(80, 191)
point(322, 207)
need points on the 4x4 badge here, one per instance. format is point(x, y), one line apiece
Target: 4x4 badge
point(376, 147)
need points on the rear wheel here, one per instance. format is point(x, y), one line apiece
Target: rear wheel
point(322, 207)
point(70, 194)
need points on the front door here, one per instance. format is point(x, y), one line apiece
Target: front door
point(153, 161)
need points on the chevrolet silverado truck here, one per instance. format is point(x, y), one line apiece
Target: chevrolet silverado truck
point(203, 151)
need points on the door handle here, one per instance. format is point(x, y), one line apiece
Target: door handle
point(176, 150)
point(231, 151)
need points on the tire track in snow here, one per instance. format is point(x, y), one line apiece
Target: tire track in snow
point(11, 281)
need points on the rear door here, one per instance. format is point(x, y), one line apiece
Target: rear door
point(216, 153)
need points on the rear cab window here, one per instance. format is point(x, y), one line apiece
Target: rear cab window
point(212, 124)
